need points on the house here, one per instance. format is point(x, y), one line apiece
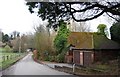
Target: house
point(89, 47)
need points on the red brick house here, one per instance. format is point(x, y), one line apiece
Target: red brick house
point(88, 47)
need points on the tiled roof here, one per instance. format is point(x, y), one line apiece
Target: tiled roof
point(102, 42)
point(81, 40)
point(90, 40)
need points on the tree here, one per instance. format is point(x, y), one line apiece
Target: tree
point(15, 44)
point(79, 11)
point(5, 38)
point(83, 27)
point(78, 26)
point(18, 34)
point(60, 41)
point(30, 41)
point(15, 34)
point(43, 42)
point(102, 29)
point(23, 42)
point(11, 37)
point(61, 38)
point(115, 32)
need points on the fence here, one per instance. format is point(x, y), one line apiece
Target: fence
point(7, 56)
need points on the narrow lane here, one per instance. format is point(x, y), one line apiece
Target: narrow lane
point(27, 66)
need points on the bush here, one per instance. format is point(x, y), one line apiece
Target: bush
point(47, 58)
point(51, 58)
point(7, 48)
point(60, 58)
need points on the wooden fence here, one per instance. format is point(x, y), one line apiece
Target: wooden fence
point(6, 57)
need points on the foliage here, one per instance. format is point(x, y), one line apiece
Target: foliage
point(115, 32)
point(23, 42)
point(50, 58)
point(60, 42)
point(15, 43)
point(55, 11)
point(30, 41)
point(60, 58)
point(43, 42)
point(5, 38)
point(102, 29)
point(15, 34)
point(61, 38)
point(7, 48)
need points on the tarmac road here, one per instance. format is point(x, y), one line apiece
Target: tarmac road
point(27, 66)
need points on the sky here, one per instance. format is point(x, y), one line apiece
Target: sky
point(15, 16)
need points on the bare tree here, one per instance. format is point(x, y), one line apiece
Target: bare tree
point(43, 41)
point(15, 34)
point(15, 44)
point(30, 40)
point(23, 42)
point(78, 26)
point(83, 27)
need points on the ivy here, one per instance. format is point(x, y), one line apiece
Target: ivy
point(61, 38)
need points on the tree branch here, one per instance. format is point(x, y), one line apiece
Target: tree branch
point(78, 20)
point(112, 17)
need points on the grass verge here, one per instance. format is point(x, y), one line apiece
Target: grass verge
point(8, 63)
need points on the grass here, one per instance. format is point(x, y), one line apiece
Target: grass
point(6, 64)
point(13, 57)
point(2, 49)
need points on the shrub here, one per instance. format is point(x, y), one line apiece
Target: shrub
point(46, 58)
point(7, 48)
point(60, 58)
point(51, 58)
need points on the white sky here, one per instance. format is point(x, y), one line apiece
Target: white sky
point(15, 16)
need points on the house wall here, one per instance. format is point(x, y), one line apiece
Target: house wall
point(90, 56)
point(69, 57)
point(84, 58)
point(108, 55)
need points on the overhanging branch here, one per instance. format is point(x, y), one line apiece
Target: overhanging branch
point(86, 19)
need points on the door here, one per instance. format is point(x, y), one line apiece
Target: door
point(87, 58)
point(76, 57)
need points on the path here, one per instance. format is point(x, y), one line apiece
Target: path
point(27, 66)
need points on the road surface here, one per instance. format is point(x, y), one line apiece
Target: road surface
point(27, 66)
